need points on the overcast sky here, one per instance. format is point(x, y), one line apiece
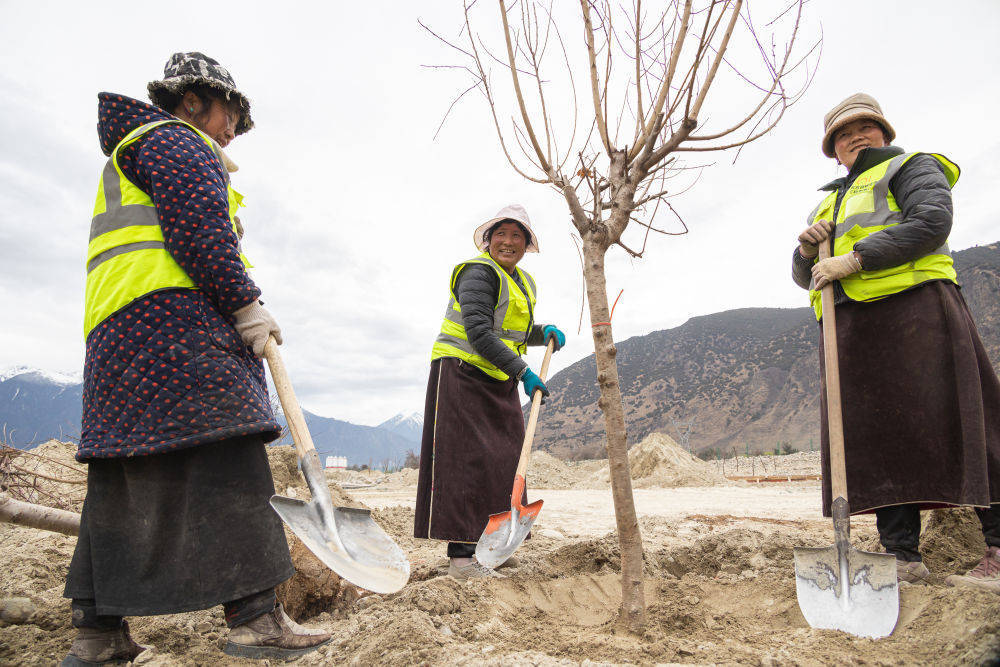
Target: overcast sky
point(356, 215)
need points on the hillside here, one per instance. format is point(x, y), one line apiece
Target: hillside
point(749, 378)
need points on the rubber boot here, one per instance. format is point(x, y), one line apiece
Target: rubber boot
point(273, 635)
point(102, 647)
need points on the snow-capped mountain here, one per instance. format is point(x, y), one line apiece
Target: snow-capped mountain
point(409, 426)
point(64, 379)
point(37, 405)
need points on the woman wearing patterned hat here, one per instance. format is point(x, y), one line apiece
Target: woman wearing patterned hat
point(473, 425)
point(921, 400)
point(175, 407)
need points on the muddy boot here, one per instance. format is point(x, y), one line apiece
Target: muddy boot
point(102, 647)
point(911, 572)
point(986, 575)
point(273, 635)
point(470, 568)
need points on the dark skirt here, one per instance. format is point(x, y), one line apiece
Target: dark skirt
point(921, 403)
point(473, 432)
point(176, 532)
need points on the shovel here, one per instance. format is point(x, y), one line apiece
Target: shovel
point(506, 531)
point(839, 587)
point(347, 540)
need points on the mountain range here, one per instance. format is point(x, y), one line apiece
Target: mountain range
point(744, 380)
point(36, 405)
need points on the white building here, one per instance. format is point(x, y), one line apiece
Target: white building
point(336, 462)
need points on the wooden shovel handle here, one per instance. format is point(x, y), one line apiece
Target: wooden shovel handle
point(834, 412)
point(289, 403)
point(536, 402)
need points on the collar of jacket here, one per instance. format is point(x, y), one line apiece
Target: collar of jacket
point(867, 158)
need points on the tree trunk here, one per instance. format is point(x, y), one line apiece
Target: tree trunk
point(633, 611)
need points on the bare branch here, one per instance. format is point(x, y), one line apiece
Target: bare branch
point(602, 126)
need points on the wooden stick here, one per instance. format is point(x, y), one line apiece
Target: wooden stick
point(834, 413)
point(536, 402)
point(38, 516)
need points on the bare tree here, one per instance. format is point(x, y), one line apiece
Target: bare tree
point(649, 73)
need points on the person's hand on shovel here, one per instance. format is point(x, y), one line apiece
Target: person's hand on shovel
point(255, 325)
point(834, 268)
point(557, 336)
point(813, 235)
point(533, 383)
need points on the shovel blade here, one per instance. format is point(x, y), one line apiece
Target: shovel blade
point(349, 542)
point(848, 590)
point(505, 532)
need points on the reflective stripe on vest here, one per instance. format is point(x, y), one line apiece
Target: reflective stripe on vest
point(512, 319)
point(126, 255)
point(869, 207)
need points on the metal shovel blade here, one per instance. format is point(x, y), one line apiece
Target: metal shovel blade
point(505, 532)
point(348, 541)
point(841, 588)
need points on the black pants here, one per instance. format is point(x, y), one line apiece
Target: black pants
point(461, 550)
point(899, 529)
point(237, 612)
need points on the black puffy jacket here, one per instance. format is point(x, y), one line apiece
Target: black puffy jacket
point(478, 287)
point(924, 198)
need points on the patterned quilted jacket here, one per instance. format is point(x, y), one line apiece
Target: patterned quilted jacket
point(169, 371)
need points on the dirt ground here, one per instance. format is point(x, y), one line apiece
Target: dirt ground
point(720, 589)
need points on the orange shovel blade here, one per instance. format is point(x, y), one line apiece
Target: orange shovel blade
point(506, 531)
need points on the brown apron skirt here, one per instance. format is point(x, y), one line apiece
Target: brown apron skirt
point(921, 403)
point(473, 432)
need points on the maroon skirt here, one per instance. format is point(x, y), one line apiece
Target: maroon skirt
point(473, 432)
point(921, 403)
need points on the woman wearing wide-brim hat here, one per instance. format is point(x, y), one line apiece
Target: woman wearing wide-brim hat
point(473, 424)
point(175, 406)
point(921, 401)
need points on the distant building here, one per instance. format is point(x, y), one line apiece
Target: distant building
point(336, 462)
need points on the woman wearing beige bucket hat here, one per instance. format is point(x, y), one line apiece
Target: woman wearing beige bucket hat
point(921, 400)
point(473, 425)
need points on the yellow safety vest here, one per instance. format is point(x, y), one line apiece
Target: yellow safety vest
point(126, 256)
point(869, 207)
point(512, 318)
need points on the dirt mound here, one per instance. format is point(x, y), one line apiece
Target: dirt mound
point(547, 472)
point(658, 461)
point(288, 481)
point(952, 540)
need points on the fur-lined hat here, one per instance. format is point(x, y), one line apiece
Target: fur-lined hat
point(187, 69)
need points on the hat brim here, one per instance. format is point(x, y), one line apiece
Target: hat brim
point(850, 116)
point(477, 236)
point(176, 85)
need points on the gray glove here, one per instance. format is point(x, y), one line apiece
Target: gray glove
point(255, 325)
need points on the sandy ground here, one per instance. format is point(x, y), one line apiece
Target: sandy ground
point(719, 589)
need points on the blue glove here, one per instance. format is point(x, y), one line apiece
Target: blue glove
point(533, 383)
point(551, 330)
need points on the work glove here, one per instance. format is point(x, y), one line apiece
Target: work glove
point(551, 330)
point(810, 239)
point(834, 268)
point(255, 325)
point(533, 383)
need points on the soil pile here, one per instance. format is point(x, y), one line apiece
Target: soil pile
point(547, 472)
point(658, 461)
point(719, 589)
